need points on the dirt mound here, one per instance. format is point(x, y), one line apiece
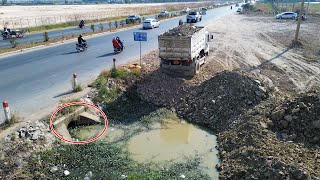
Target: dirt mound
point(213, 103)
point(216, 102)
point(184, 30)
point(298, 120)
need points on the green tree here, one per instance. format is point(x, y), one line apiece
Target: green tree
point(92, 27)
point(46, 36)
point(116, 24)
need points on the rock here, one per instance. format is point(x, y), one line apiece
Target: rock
point(123, 176)
point(263, 125)
point(277, 115)
point(284, 124)
point(54, 169)
point(292, 137)
point(18, 163)
point(66, 172)
point(316, 124)
point(35, 136)
point(288, 118)
point(284, 136)
point(219, 167)
point(302, 105)
point(182, 176)
point(86, 178)
point(89, 174)
point(296, 110)
point(258, 93)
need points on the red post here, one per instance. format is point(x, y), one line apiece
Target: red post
point(6, 109)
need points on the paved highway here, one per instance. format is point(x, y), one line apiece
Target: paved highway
point(33, 81)
point(38, 37)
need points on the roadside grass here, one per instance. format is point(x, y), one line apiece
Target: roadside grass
point(263, 7)
point(69, 109)
point(15, 118)
point(105, 161)
point(46, 41)
point(78, 88)
point(267, 7)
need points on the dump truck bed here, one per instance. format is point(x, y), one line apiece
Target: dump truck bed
point(182, 43)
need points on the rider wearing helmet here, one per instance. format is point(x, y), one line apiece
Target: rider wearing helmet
point(81, 41)
point(120, 42)
point(116, 43)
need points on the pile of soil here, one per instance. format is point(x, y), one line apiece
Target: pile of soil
point(184, 30)
point(298, 120)
point(257, 147)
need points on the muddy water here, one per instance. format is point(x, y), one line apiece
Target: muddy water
point(169, 139)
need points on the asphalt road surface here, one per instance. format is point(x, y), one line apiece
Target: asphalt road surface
point(39, 37)
point(33, 81)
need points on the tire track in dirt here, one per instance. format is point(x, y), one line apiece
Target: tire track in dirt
point(249, 42)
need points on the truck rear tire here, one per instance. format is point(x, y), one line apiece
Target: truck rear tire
point(196, 68)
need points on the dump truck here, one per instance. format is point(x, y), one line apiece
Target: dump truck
point(184, 49)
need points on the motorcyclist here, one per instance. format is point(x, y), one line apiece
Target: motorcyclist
point(120, 42)
point(6, 31)
point(116, 44)
point(81, 41)
point(81, 23)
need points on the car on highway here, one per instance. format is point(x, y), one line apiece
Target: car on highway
point(286, 15)
point(150, 23)
point(133, 18)
point(164, 14)
point(194, 16)
point(185, 10)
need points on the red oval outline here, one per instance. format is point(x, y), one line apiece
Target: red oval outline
point(79, 142)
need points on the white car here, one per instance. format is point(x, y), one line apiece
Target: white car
point(185, 10)
point(164, 14)
point(150, 23)
point(194, 16)
point(286, 15)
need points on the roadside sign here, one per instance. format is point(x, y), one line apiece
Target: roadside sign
point(140, 36)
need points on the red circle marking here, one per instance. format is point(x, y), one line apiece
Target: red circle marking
point(79, 142)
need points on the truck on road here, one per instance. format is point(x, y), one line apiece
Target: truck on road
point(184, 49)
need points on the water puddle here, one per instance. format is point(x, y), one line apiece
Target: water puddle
point(169, 139)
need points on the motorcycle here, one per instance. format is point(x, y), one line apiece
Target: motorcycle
point(81, 26)
point(6, 35)
point(118, 50)
point(81, 47)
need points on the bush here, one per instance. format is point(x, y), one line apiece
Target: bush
point(46, 36)
point(78, 88)
point(101, 27)
point(247, 7)
point(92, 27)
point(110, 25)
point(14, 42)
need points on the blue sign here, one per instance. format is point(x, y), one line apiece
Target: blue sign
point(140, 36)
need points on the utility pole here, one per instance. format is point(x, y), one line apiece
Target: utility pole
point(299, 22)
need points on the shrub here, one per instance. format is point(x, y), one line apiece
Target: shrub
point(78, 88)
point(46, 36)
point(110, 25)
point(116, 24)
point(14, 42)
point(101, 27)
point(92, 27)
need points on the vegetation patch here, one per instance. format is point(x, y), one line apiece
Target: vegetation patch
point(100, 160)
